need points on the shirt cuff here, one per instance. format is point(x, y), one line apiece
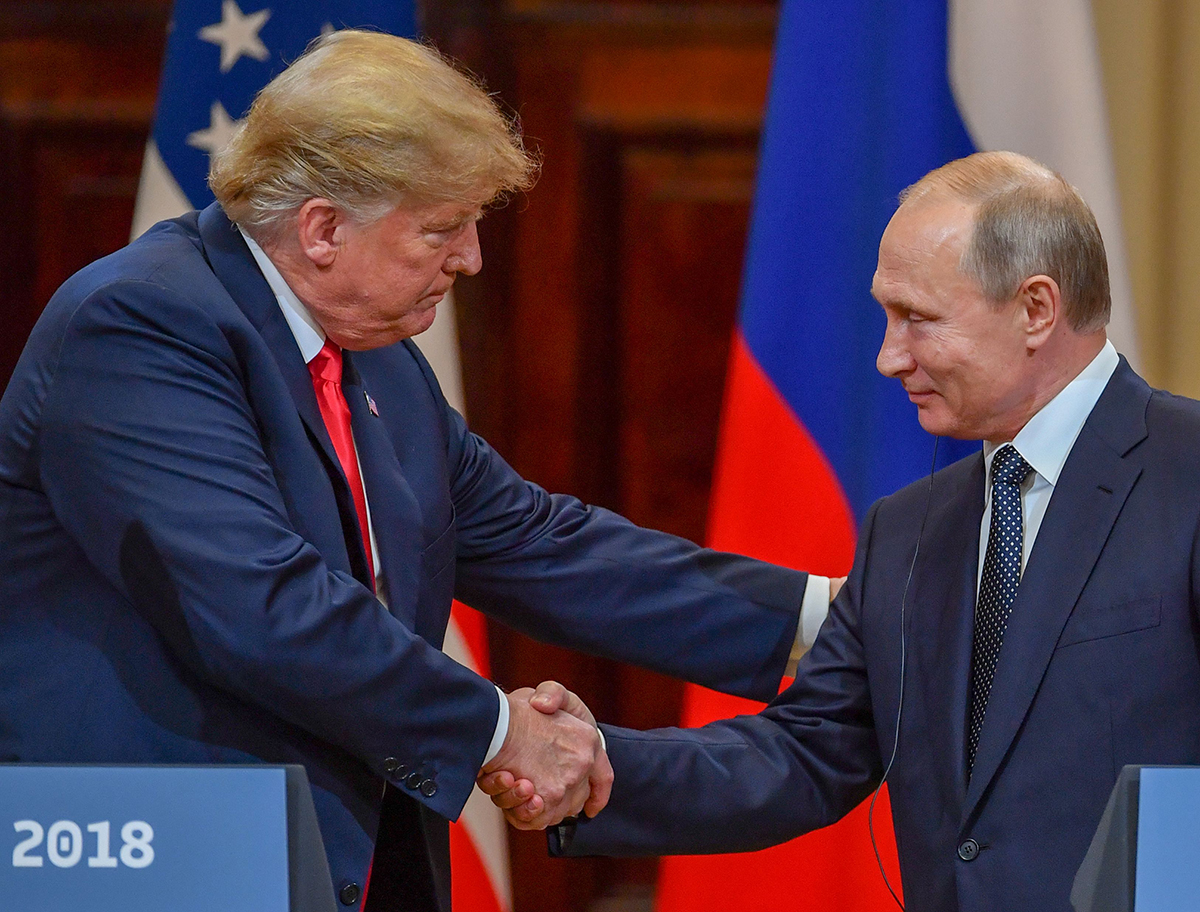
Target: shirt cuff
point(502, 727)
point(813, 610)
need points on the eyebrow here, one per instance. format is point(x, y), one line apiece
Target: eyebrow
point(456, 222)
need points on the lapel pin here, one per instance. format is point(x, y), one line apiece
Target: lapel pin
point(371, 404)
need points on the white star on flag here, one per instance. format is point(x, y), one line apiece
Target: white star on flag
point(220, 131)
point(237, 34)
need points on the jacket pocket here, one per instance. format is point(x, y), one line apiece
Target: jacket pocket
point(439, 554)
point(1113, 620)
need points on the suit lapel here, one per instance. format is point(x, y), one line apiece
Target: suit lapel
point(1091, 491)
point(942, 605)
point(394, 506)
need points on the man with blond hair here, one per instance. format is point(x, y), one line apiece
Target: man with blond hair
point(235, 506)
point(1016, 628)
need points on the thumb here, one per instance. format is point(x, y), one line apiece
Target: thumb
point(551, 696)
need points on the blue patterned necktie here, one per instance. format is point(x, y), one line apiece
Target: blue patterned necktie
point(998, 584)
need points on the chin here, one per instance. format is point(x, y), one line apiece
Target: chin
point(938, 425)
point(420, 322)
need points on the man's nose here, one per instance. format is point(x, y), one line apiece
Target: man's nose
point(894, 357)
point(466, 256)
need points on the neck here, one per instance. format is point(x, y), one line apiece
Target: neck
point(1057, 363)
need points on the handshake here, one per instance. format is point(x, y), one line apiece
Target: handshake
point(552, 764)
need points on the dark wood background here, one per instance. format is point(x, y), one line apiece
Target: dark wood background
point(596, 337)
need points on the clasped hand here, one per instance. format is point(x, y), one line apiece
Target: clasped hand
point(552, 764)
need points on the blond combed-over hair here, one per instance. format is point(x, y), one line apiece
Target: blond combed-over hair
point(1028, 221)
point(367, 120)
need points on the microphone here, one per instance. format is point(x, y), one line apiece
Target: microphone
point(903, 656)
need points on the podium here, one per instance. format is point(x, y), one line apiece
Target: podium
point(146, 838)
point(1144, 856)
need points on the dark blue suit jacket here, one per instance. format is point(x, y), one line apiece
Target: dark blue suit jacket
point(1100, 668)
point(181, 576)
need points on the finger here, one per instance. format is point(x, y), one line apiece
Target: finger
point(575, 801)
point(509, 800)
point(549, 697)
point(601, 781)
point(515, 796)
point(495, 783)
point(521, 824)
point(528, 811)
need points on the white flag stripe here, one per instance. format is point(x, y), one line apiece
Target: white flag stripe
point(482, 820)
point(159, 196)
point(1026, 76)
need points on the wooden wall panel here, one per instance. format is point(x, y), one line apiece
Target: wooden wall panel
point(77, 88)
point(687, 210)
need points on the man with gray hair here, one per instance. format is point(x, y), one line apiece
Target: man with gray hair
point(1015, 629)
point(235, 506)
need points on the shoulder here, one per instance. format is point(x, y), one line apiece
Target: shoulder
point(1171, 421)
point(1169, 410)
point(155, 275)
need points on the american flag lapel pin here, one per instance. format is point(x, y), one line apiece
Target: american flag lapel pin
point(371, 404)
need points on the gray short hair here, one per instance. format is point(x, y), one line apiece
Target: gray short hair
point(1029, 221)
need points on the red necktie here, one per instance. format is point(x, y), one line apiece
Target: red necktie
point(326, 370)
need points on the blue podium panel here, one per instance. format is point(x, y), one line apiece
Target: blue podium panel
point(143, 839)
point(1168, 840)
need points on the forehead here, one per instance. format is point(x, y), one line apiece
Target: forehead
point(923, 243)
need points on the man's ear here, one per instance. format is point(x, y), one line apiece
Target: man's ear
point(1040, 302)
point(320, 229)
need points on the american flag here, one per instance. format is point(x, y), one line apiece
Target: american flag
point(219, 55)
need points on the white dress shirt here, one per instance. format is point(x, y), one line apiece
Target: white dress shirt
point(1045, 442)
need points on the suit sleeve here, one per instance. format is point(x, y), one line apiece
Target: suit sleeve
point(151, 455)
point(753, 781)
point(583, 577)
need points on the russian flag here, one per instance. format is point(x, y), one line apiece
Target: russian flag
point(218, 57)
point(866, 97)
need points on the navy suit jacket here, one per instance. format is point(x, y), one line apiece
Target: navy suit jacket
point(182, 579)
point(1100, 667)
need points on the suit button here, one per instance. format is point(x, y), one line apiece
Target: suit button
point(349, 894)
point(428, 788)
point(969, 850)
point(394, 767)
point(414, 780)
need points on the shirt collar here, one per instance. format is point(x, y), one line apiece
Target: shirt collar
point(309, 335)
point(1048, 436)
